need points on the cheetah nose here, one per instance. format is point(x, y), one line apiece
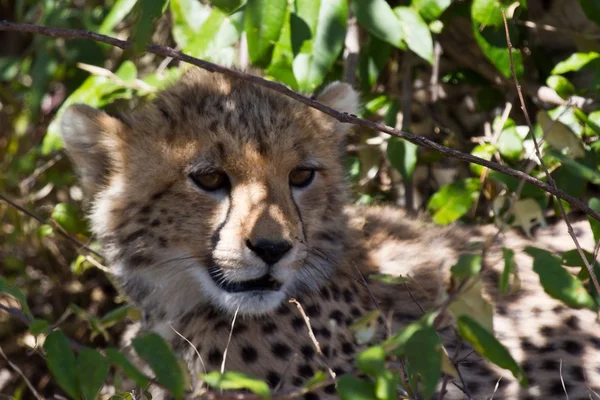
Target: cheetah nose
point(269, 251)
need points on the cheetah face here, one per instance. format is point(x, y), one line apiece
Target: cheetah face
point(218, 193)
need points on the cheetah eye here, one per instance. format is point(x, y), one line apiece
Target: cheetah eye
point(210, 181)
point(301, 177)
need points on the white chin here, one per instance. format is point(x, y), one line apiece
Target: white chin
point(256, 302)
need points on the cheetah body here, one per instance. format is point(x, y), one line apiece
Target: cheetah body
point(186, 191)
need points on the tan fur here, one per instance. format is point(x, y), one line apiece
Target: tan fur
point(162, 234)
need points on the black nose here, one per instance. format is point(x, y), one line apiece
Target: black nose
point(269, 251)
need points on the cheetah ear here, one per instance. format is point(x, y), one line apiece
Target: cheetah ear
point(342, 97)
point(89, 136)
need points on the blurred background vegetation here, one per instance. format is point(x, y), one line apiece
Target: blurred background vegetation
point(438, 68)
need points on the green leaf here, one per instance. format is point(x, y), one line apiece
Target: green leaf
point(283, 55)
point(470, 302)
point(396, 344)
point(377, 17)
point(188, 17)
point(147, 12)
point(214, 39)
point(591, 8)
point(594, 204)
point(589, 174)
point(156, 352)
point(510, 144)
point(592, 123)
point(39, 326)
point(92, 369)
point(328, 27)
point(430, 9)
point(563, 87)
point(509, 267)
point(403, 156)
point(118, 11)
point(15, 292)
point(262, 24)
point(572, 258)
point(557, 282)
point(61, 362)
point(416, 33)
point(575, 62)
point(235, 381)
point(485, 151)
point(371, 361)
point(493, 44)
point(453, 200)
point(489, 12)
point(486, 344)
point(351, 388)
point(127, 71)
point(66, 216)
point(228, 6)
point(117, 358)
point(320, 376)
point(424, 356)
point(468, 265)
point(373, 57)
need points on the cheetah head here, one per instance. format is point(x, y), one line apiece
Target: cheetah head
point(217, 193)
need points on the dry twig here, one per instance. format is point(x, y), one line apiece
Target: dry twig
point(342, 117)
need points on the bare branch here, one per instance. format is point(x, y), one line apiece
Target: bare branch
point(539, 156)
point(342, 117)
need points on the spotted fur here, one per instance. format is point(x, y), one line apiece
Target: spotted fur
point(163, 235)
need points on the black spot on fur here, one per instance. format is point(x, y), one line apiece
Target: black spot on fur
point(326, 333)
point(308, 351)
point(550, 365)
point(547, 331)
point(595, 341)
point(155, 222)
point(298, 323)
point(576, 373)
point(239, 328)
point(557, 309)
point(527, 345)
point(162, 241)
point(311, 396)
point(268, 328)
point(329, 389)
point(273, 378)
point(572, 322)
point(355, 311)
point(337, 315)
point(348, 297)
point(249, 354)
point(305, 371)
point(215, 356)
point(326, 350)
point(313, 311)
point(347, 348)
point(557, 389)
point(474, 387)
point(221, 325)
point(572, 347)
point(325, 293)
point(281, 350)
point(335, 291)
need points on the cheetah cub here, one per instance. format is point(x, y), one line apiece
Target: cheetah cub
point(222, 199)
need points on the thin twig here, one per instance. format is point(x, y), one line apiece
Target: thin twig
point(342, 117)
point(562, 381)
point(312, 336)
point(191, 345)
point(539, 155)
point(18, 371)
